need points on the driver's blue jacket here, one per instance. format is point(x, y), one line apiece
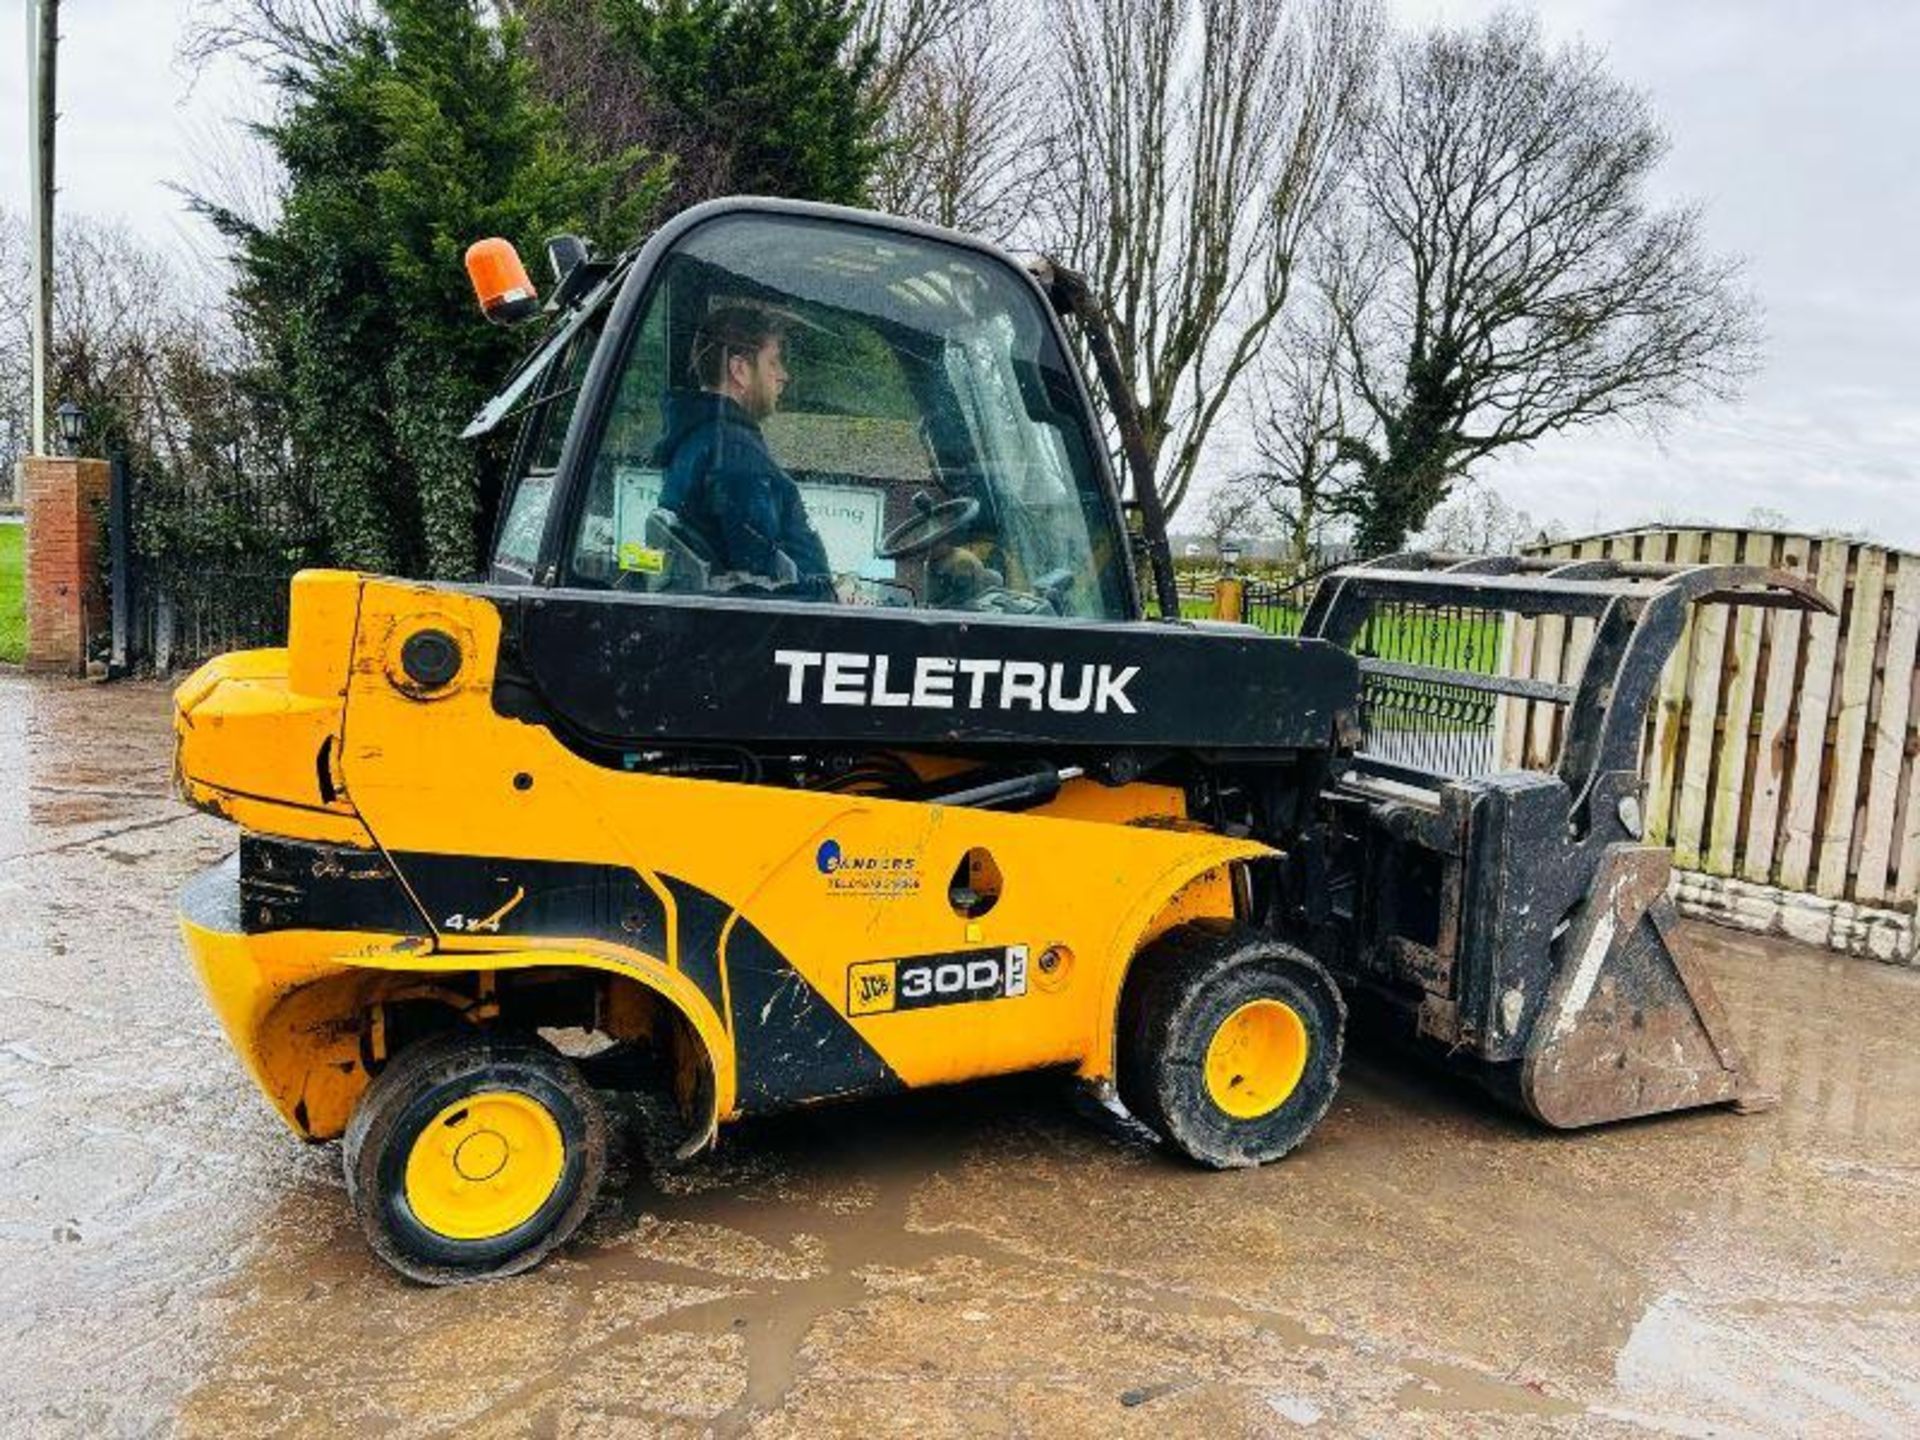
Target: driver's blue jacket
point(723, 482)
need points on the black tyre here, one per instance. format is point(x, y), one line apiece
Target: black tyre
point(473, 1155)
point(1229, 1045)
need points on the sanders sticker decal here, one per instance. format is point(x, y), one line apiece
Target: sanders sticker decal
point(855, 873)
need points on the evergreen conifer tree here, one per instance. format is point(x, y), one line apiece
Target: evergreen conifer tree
point(756, 97)
point(401, 143)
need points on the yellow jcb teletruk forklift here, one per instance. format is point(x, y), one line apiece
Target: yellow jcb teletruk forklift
point(963, 809)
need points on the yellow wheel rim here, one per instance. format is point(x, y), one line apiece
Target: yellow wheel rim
point(1256, 1058)
point(484, 1165)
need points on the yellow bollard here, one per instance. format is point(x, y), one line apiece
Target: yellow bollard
point(1230, 598)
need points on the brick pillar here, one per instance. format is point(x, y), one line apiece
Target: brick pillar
point(66, 598)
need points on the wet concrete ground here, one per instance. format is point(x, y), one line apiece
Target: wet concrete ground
point(980, 1261)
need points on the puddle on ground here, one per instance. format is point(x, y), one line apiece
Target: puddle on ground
point(976, 1261)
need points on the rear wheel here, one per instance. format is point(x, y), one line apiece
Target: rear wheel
point(473, 1155)
point(1230, 1046)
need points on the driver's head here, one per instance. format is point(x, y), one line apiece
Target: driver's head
point(739, 352)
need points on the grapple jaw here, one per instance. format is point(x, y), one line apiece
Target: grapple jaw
point(1488, 886)
point(1631, 1024)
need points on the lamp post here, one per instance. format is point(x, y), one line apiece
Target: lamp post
point(72, 423)
point(43, 42)
point(1230, 555)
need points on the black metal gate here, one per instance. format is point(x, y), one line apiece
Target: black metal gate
point(198, 568)
point(1409, 713)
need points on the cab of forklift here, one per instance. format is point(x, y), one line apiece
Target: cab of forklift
point(933, 423)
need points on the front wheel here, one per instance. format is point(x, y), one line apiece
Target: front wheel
point(473, 1155)
point(1230, 1046)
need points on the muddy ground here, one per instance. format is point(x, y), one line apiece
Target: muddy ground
point(981, 1261)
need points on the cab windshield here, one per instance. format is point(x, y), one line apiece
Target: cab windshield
point(821, 410)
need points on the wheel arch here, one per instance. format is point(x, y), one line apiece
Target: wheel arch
point(1206, 884)
point(308, 1050)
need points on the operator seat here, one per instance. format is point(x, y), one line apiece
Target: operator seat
point(690, 560)
point(692, 565)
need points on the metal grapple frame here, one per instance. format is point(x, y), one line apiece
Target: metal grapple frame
point(1515, 921)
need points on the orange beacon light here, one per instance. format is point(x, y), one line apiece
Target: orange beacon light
point(500, 282)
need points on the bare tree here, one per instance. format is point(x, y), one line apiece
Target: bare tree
point(1232, 514)
point(128, 331)
point(1503, 274)
point(16, 388)
point(960, 129)
point(1195, 142)
point(1299, 417)
point(1477, 520)
point(119, 324)
point(302, 33)
point(153, 359)
point(148, 353)
point(904, 33)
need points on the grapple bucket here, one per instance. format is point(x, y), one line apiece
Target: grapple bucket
point(1486, 889)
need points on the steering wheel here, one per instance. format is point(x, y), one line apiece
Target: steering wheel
point(928, 525)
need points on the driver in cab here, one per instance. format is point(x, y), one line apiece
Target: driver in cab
point(719, 476)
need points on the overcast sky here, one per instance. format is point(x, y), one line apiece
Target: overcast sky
point(1795, 124)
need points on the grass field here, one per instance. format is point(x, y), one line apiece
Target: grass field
point(1275, 620)
point(13, 609)
point(1448, 638)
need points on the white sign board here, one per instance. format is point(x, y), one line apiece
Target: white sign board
point(846, 517)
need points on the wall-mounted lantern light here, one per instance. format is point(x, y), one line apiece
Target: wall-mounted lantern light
point(72, 423)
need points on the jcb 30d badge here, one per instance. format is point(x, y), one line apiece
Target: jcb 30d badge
point(877, 986)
